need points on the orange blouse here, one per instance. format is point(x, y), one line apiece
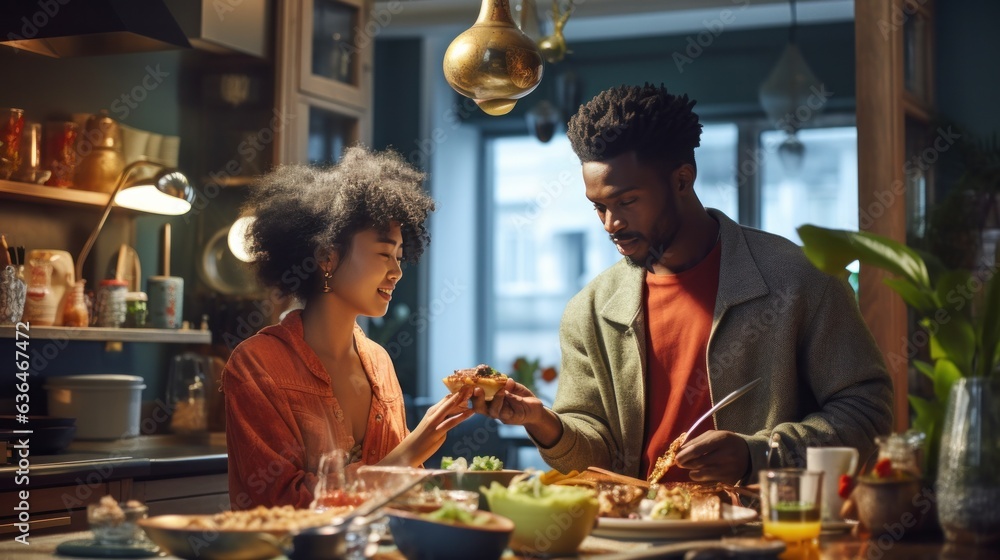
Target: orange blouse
point(282, 415)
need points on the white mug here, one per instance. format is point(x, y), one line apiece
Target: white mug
point(834, 461)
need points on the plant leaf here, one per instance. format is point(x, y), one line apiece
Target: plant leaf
point(945, 375)
point(912, 295)
point(953, 340)
point(950, 297)
point(833, 249)
point(989, 327)
point(924, 368)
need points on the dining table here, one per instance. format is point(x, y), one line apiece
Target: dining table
point(832, 545)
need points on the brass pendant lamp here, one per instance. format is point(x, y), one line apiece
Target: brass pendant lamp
point(493, 62)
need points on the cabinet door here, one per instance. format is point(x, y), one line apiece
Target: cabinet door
point(333, 62)
point(324, 79)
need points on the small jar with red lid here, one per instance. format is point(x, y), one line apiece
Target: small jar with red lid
point(110, 306)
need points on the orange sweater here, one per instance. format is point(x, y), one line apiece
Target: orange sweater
point(678, 323)
point(282, 415)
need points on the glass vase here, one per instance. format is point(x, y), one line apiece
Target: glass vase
point(968, 480)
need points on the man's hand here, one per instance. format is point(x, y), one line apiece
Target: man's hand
point(516, 404)
point(715, 455)
point(513, 404)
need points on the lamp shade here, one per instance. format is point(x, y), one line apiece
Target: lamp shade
point(493, 62)
point(787, 92)
point(167, 193)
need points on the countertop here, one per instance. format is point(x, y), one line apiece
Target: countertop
point(140, 457)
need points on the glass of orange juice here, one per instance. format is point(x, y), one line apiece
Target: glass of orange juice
point(790, 504)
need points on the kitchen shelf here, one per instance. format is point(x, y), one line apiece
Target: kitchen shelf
point(39, 193)
point(112, 335)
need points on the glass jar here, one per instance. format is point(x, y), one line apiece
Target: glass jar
point(111, 303)
point(75, 313)
point(60, 152)
point(135, 310)
point(186, 394)
point(11, 125)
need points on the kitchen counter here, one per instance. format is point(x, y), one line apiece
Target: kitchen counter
point(140, 457)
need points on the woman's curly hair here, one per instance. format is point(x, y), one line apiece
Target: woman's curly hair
point(657, 125)
point(302, 211)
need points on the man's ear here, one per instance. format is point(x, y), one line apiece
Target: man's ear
point(683, 178)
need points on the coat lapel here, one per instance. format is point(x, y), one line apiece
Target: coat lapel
point(739, 279)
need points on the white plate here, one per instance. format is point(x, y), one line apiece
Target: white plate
point(732, 517)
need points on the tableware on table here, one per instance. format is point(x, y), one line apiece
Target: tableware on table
point(833, 462)
point(726, 401)
point(640, 529)
point(548, 519)
point(472, 481)
point(679, 442)
point(116, 524)
point(419, 538)
point(790, 504)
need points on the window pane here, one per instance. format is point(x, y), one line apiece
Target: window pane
point(547, 244)
point(823, 192)
point(716, 159)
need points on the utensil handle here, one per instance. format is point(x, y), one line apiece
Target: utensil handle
point(166, 249)
point(724, 402)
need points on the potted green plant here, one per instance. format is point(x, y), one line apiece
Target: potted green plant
point(960, 313)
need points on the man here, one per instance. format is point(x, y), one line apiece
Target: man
point(698, 307)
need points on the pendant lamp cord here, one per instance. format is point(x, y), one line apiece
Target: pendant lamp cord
point(791, 28)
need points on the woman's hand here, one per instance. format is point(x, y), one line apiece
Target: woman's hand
point(430, 434)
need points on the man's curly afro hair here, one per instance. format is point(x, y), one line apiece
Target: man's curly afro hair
point(303, 211)
point(657, 125)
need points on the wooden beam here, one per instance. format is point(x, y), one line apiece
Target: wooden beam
point(881, 185)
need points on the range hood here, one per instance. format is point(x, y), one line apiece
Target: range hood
point(65, 28)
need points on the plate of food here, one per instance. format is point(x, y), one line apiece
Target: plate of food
point(255, 534)
point(679, 511)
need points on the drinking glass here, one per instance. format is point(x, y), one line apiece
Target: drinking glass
point(335, 488)
point(790, 503)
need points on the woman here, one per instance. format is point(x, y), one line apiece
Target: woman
point(335, 239)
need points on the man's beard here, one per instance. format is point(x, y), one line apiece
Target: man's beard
point(655, 250)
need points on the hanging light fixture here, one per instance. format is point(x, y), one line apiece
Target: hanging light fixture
point(785, 97)
point(493, 62)
point(553, 47)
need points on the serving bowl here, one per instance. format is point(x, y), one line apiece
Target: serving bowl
point(473, 481)
point(554, 523)
point(420, 538)
point(174, 535)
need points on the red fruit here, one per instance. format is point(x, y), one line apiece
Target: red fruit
point(845, 486)
point(549, 374)
point(883, 468)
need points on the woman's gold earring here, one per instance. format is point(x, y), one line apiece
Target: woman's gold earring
point(327, 275)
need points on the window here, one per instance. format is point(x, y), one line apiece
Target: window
point(823, 192)
point(547, 243)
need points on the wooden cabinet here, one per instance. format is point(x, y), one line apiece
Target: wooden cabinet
point(324, 77)
point(204, 494)
point(58, 509)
